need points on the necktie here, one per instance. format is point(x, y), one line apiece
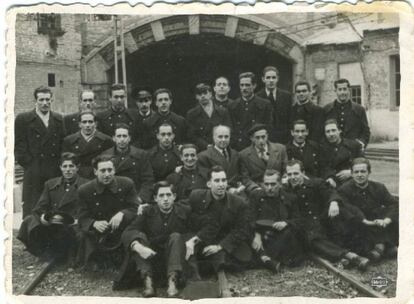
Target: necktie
point(262, 155)
point(271, 97)
point(226, 155)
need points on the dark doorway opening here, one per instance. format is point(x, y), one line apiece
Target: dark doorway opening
point(179, 63)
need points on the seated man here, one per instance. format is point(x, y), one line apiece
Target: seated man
point(49, 228)
point(275, 218)
point(156, 237)
point(318, 202)
point(377, 211)
point(107, 204)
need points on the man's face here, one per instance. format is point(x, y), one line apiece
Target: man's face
point(204, 98)
point(259, 139)
point(165, 136)
point(221, 137)
point(144, 100)
point(342, 92)
point(43, 102)
point(360, 174)
point(121, 138)
point(271, 184)
point(294, 175)
point(221, 87)
point(163, 103)
point(270, 80)
point(302, 93)
point(87, 124)
point(165, 198)
point(332, 133)
point(118, 100)
point(68, 169)
point(218, 183)
point(87, 101)
point(299, 133)
point(105, 172)
point(189, 158)
point(247, 87)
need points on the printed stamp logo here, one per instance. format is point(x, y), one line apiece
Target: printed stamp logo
point(379, 282)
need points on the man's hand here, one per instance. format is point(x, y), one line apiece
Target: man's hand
point(333, 209)
point(101, 226)
point(332, 182)
point(189, 245)
point(178, 169)
point(232, 190)
point(257, 243)
point(382, 222)
point(43, 221)
point(143, 251)
point(116, 220)
point(279, 225)
point(141, 208)
point(343, 175)
point(212, 249)
point(368, 223)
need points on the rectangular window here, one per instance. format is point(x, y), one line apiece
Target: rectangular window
point(47, 23)
point(395, 79)
point(356, 94)
point(51, 80)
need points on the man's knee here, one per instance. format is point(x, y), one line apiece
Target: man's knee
point(175, 236)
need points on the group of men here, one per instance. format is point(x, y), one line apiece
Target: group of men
point(260, 179)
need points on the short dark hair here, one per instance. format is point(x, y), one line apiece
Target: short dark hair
point(299, 122)
point(42, 89)
point(163, 184)
point(201, 88)
point(90, 112)
point(165, 124)
point(122, 125)
point(69, 156)
point(214, 169)
point(117, 86)
point(188, 146)
point(292, 162)
point(100, 159)
point(361, 160)
point(215, 80)
point(331, 121)
point(301, 83)
point(270, 68)
point(271, 172)
point(341, 80)
point(136, 90)
point(250, 75)
point(162, 90)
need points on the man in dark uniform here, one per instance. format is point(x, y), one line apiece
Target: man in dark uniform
point(319, 204)
point(86, 103)
point(87, 143)
point(191, 176)
point(338, 153)
point(351, 117)
point(164, 157)
point(221, 92)
point(305, 109)
point(275, 242)
point(131, 162)
point(156, 238)
point(38, 143)
point(305, 150)
point(376, 222)
point(204, 117)
point(49, 229)
point(117, 113)
point(107, 204)
point(248, 110)
point(261, 155)
point(281, 104)
point(143, 101)
point(163, 101)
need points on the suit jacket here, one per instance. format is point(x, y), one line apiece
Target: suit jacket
point(186, 181)
point(310, 155)
point(86, 151)
point(281, 111)
point(134, 164)
point(200, 126)
point(143, 134)
point(163, 162)
point(108, 119)
point(176, 121)
point(71, 122)
point(244, 115)
point(314, 117)
point(211, 157)
point(253, 167)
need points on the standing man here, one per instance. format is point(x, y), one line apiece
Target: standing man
point(261, 155)
point(281, 104)
point(131, 162)
point(221, 92)
point(305, 109)
point(351, 117)
point(38, 143)
point(143, 101)
point(87, 143)
point(163, 101)
point(247, 111)
point(86, 103)
point(204, 117)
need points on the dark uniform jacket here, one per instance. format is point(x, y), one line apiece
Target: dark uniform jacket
point(186, 181)
point(281, 111)
point(71, 122)
point(309, 155)
point(37, 149)
point(211, 157)
point(314, 117)
point(143, 138)
point(351, 118)
point(108, 119)
point(86, 150)
point(176, 121)
point(200, 126)
point(135, 165)
point(244, 114)
point(164, 162)
point(222, 104)
point(253, 167)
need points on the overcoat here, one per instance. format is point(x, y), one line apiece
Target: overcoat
point(71, 122)
point(107, 120)
point(164, 162)
point(314, 117)
point(310, 155)
point(186, 181)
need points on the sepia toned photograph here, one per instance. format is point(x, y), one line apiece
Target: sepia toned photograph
point(205, 155)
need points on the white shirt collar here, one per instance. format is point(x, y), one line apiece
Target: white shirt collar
point(268, 92)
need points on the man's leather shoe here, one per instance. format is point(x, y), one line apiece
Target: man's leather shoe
point(272, 266)
point(360, 262)
point(172, 290)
